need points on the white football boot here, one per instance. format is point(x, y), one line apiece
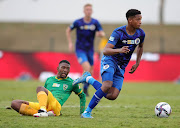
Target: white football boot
point(41, 113)
point(51, 113)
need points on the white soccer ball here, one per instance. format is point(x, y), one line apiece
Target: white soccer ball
point(163, 109)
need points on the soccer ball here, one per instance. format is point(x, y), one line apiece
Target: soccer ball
point(163, 109)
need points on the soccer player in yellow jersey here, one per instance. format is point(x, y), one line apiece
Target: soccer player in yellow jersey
point(52, 96)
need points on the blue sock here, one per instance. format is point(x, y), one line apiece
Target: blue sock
point(95, 99)
point(86, 85)
point(93, 82)
point(96, 85)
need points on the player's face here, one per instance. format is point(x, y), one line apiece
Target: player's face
point(88, 11)
point(136, 21)
point(63, 70)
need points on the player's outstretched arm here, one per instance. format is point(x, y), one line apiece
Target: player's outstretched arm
point(108, 50)
point(82, 97)
point(68, 35)
point(138, 59)
point(100, 33)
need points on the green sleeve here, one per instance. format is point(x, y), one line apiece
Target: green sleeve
point(82, 97)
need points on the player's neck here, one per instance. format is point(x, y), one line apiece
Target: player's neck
point(87, 19)
point(130, 30)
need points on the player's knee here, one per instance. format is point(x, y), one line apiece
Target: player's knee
point(113, 97)
point(41, 88)
point(14, 104)
point(106, 86)
point(86, 66)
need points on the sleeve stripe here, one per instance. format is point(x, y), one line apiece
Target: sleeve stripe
point(79, 92)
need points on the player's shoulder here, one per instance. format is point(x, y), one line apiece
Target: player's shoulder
point(120, 29)
point(51, 77)
point(94, 20)
point(78, 20)
point(141, 31)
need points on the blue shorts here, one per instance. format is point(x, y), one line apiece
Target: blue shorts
point(110, 71)
point(84, 56)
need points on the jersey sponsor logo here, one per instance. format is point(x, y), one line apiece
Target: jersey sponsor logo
point(136, 41)
point(106, 66)
point(65, 86)
point(91, 27)
point(124, 41)
point(55, 85)
point(111, 38)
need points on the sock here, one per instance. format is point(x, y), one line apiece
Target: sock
point(27, 110)
point(86, 85)
point(95, 99)
point(93, 82)
point(42, 98)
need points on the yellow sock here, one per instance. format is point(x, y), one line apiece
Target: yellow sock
point(27, 110)
point(42, 98)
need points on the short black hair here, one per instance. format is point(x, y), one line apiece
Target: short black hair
point(132, 12)
point(64, 61)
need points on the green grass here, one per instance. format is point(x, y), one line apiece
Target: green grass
point(133, 108)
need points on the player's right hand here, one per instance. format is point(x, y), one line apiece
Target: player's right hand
point(124, 49)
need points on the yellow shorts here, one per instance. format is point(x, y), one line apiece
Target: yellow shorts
point(52, 104)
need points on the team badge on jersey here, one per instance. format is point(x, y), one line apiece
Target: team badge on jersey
point(111, 38)
point(65, 86)
point(137, 41)
point(55, 85)
point(106, 66)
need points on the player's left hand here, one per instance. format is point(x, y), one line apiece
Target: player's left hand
point(133, 69)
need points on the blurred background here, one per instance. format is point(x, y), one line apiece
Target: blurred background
point(33, 40)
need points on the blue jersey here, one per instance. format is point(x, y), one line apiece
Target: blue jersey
point(85, 33)
point(120, 38)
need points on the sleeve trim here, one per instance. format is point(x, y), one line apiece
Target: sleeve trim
point(79, 92)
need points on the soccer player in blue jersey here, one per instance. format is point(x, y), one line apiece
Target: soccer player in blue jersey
point(117, 54)
point(86, 29)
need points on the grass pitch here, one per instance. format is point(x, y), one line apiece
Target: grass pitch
point(133, 108)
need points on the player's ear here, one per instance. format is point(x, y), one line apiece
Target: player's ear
point(57, 68)
point(129, 19)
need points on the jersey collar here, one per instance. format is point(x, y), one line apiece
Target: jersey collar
point(60, 78)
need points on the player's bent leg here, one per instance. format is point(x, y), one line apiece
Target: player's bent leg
point(112, 93)
point(23, 107)
point(42, 96)
point(82, 79)
point(98, 95)
point(41, 88)
point(86, 67)
point(16, 104)
point(86, 77)
point(106, 86)
point(91, 69)
point(53, 107)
